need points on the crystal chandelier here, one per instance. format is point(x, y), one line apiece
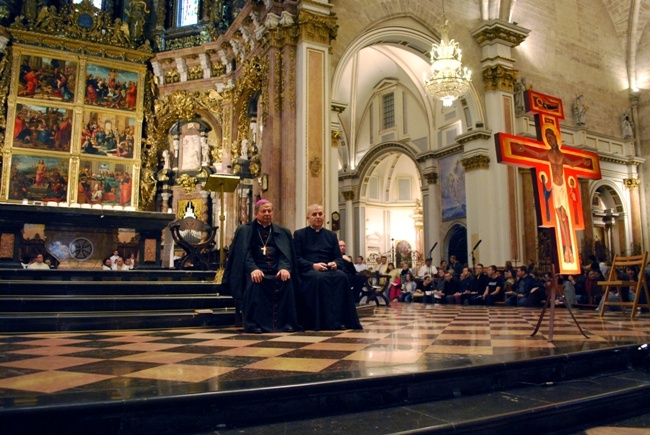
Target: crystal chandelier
point(449, 79)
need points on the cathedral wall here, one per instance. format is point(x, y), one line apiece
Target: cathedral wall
point(573, 49)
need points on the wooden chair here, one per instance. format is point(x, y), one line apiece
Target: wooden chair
point(637, 261)
point(195, 237)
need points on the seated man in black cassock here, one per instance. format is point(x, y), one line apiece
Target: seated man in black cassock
point(258, 273)
point(325, 288)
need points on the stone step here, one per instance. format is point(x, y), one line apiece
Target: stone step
point(115, 320)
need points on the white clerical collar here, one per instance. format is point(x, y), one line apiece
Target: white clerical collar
point(262, 225)
point(317, 230)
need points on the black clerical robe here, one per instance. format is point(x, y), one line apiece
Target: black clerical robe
point(269, 305)
point(326, 295)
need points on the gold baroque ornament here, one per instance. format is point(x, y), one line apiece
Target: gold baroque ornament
point(348, 195)
point(480, 161)
point(254, 79)
point(5, 67)
point(187, 183)
point(82, 23)
point(498, 78)
point(631, 183)
point(172, 76)
point(315, 166)
point(196, 73)
point(336, 138)
point(165, 111)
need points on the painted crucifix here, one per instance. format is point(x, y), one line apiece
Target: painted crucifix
point(556, 169)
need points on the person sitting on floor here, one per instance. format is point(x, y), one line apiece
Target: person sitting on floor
point(451, 290)
point(494, 290)
point(522, 288)
point(423, 290)
point(408, 287)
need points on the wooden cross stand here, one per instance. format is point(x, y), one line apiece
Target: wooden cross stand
point(555, 169)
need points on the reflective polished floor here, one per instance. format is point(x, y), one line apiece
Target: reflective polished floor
point(82, 367)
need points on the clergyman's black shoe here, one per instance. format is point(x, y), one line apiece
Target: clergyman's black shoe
point(289, 329)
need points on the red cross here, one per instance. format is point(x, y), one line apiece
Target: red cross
point(556, 169)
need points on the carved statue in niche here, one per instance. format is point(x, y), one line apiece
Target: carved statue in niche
point(520, 88)
point(191, 152)
point(580, 111)
point(626, 125)
point(205, 153)
point(137, 14)
point(166, 160)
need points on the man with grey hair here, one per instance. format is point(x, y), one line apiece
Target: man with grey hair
point(325, 287)
point(258, 273)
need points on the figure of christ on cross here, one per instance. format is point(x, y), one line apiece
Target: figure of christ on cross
point(562, 164)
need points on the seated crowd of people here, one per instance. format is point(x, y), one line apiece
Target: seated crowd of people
point(523, 286)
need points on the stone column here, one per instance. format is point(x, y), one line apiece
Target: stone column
point(431, 209)
point(316, 164)
point(490, 186)
point(348, 233)
point(529, 225)
point(632, 185)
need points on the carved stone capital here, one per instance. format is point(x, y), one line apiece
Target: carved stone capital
point(431, 177)
point(348, 195)
point(474, 135)
point(317, 28)
point(631, 183)
point(500, 31)
point(499, 78)
point(480, 161)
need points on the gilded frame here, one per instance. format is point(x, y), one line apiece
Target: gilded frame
point(50, 98)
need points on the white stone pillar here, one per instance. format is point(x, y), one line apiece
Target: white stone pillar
point(348, 233)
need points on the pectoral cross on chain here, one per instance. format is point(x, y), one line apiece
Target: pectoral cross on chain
point(263, 248)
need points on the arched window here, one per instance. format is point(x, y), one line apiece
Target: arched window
point(188, 12)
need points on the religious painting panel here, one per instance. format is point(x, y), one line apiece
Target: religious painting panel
point(47, 78)
point(452, 178)
point(42, 127)
point(38, 178)
point(108, 134)
point(555, 169)
point(105, 182)
point(109, 87)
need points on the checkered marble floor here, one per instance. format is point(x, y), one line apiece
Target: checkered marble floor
point(78, 367)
